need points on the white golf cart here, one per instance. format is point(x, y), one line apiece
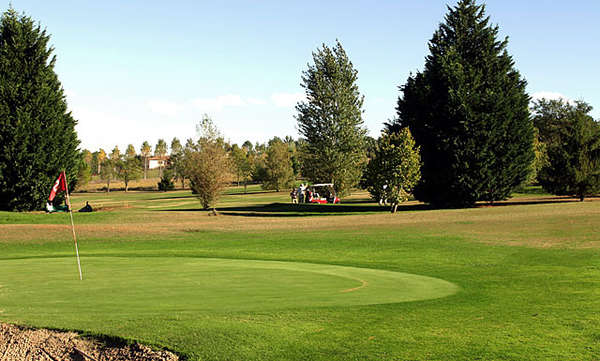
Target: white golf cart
point(322, 193)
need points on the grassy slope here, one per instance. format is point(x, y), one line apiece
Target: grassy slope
point(529, 275)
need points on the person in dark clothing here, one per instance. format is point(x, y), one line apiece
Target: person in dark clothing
point(86, 208)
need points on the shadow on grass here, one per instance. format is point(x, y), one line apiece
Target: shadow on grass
point(190, 195)
point(172, 197)
point(302, 210)
point(358, 206)
point(522, 202)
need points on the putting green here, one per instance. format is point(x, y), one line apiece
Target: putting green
point(33, 289)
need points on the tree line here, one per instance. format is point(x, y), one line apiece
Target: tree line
point(464, 131)
point(274, 164)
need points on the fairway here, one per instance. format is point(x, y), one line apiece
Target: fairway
point(118, 286)
point(267, 280)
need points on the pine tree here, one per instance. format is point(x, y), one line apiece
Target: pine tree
point(330, 121)
point(468, 111)
point(37, 132)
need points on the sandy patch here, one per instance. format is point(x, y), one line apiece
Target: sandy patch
point(25, 344)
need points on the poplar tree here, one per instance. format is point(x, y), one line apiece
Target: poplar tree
point(177, 162)
point(160, 150)
point(468, 111)
point(330, 121)
point(37, 132)
point(101, 157)
point(145, 151)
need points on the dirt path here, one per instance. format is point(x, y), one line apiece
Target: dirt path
point(25, 344)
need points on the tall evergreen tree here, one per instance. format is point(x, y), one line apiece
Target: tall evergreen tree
point(330, 120)
point(37, 132)
point(468, 111)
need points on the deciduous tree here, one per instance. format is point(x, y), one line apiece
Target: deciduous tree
point(330, 120)
point(127, 170)
point(395, 168)
point(177, 162)
point(107, 172)
point(160, 150)
point(242, 165)
point(572, 140)
point(145, 151)
point(101, 157)
point(130, 152)
point(280, 174)
point(208, 165)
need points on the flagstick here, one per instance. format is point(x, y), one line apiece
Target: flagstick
point(73, 227)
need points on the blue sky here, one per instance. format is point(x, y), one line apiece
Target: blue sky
point(142, 70)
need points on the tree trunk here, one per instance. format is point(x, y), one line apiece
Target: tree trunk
point(108, 186)
point(581, 197)
point(145, 167)
point(245, 186)
point(126, 186)
point(394, 207)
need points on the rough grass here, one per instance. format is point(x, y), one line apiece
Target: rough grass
point(527, 270)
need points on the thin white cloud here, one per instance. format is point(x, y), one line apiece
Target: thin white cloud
point(163, 107)
point(218, 103)
point(285, 100)
point(550, 96)
point(256, 101)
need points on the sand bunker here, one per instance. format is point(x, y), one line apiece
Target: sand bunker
point(25, 344)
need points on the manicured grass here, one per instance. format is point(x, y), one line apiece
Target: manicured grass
point(159, 270)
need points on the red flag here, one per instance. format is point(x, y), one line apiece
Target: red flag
point(59, 186)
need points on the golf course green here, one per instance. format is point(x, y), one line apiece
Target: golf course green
point(268, 280)
point(120, 285)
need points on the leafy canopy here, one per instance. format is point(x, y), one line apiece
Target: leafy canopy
point(208, 165)
point(572, 141)
point(394, 169)
point(330, 120)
